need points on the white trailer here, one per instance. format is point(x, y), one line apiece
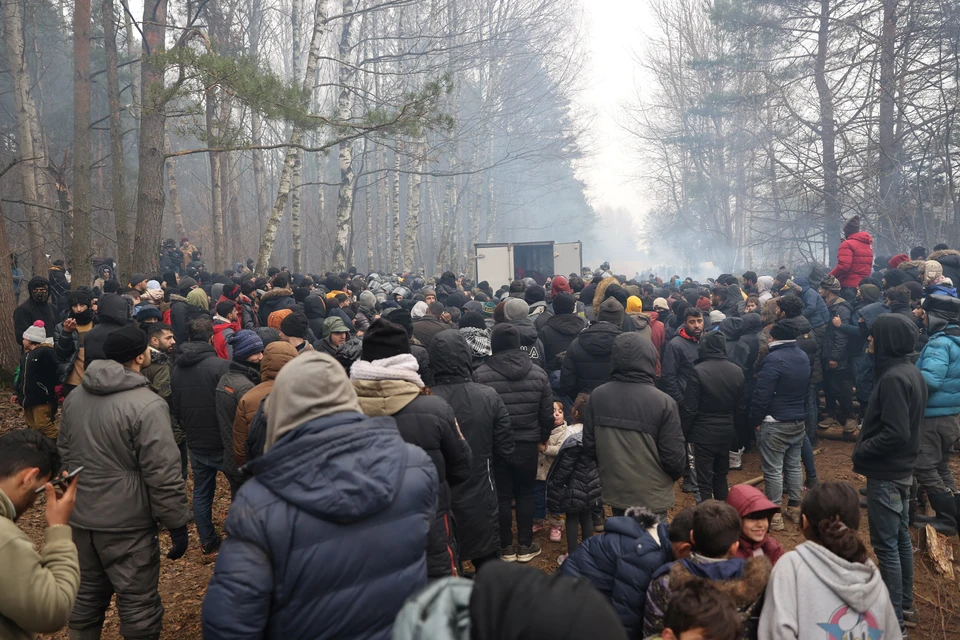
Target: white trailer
point(499, 263)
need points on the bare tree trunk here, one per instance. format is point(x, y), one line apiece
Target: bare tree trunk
point(256, 129)
point(25, 113)
point(828, 134)
point(150, 177)
point(371, 237)
point(216, 202)
point(171, 170)
point(887, 161)
point(413, 209)
point(296, 138)
point(395, 255)
point(233, 206)
point(297, 249)
point(345, 156)
point(9, 343)
point(117, 183)
point(131, 53)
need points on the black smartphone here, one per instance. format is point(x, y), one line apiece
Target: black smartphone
point(61, 480)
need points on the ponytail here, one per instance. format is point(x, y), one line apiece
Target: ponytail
point(832, 510)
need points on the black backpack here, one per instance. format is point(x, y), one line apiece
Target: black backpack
point(257, 436)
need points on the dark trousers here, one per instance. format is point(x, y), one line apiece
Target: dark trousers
point(585, 520)
point(515, 482)
point(838, 390)
point(127, 564)
point(712, 463)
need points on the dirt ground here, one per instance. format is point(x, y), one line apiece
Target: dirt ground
point(183, 582)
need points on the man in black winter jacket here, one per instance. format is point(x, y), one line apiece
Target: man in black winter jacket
point(738, 351)
point(713, 405)
point(886, 452)
point(113, 311)
point(680, 353)
point(193, 382)
point(36, 307)
point(525, 390)
point(835, 357)
point(587, 364)
point(560, 330)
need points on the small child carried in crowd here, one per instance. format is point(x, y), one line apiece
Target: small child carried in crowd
point(700, 611)
point(36, 384)
point(548, 453)
point(621, 561)
point(755, 511)
point(715, 538)
point(828, 584)
point(573, 483)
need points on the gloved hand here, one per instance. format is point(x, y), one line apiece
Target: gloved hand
point(179, 538)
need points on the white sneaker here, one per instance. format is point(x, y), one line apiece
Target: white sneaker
point(736, 460)
point(561, 559)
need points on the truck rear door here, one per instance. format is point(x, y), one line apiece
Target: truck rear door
point(494, 264)
point(567, 258)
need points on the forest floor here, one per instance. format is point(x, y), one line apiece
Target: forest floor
point(183, 582)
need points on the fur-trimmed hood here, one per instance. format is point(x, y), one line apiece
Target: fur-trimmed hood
point(936, 255)
point(745, 587)
point(601, 291)
point(283, 292)
point(911, 264)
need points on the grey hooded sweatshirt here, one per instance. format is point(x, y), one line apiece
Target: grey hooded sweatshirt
point(814, 594)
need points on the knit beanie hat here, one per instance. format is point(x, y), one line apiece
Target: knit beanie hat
point(703, 303)
point(618, 293)
point(782, 276)
point(894, 278)
point(137, 278)
point(870, 292)
point(82, 296)
point(402, 317)
point(504, 337)
point(534, 294)
point(895, 261)
point(634, 305)
point(851, 227)
point(36, 333)
point(611, 311)
point(660, 304)
point(384, 339)
point(125, 344)
point(560, 285)
point(153, 285)
point(275, 318)
point(295, 325)
point(245, 343)
point(231, 291)
point(515, 309)
point(367, 299)
point(472, 319)
point(931, 271)
point(488, 308)
point(564, 303)
point(831, 284)
point(717, 316)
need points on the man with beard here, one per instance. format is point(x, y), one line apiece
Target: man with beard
point(69, 339)
point(162, 342)
point(676, 367)
point(36, 307)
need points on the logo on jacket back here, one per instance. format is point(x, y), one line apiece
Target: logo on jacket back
point(847, 624)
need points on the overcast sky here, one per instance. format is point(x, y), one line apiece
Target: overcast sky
point(613, 29)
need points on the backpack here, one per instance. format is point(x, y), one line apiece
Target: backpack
point(257, 436)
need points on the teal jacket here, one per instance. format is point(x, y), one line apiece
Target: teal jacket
point(940, 365)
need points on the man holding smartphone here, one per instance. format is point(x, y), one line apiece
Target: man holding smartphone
point(116, 427)
point(41, 587)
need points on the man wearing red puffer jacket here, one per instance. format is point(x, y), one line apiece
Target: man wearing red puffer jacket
point(854, 258)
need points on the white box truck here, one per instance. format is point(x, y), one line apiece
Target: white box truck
point(501, 262)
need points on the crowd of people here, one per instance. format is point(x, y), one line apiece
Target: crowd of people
point(379, 432)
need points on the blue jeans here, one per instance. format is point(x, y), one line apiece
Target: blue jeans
point(780, 444)
point(205, 467)
point(539, 499)
point(888, 513)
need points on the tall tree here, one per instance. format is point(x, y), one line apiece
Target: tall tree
point(117, 179)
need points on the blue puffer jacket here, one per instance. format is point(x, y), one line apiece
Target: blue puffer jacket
point(620, 563)
point(814, 308)
point(781, 384)
point(940, 365)
point(329, 537)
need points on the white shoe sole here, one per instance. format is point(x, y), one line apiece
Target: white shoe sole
point(527, 557)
